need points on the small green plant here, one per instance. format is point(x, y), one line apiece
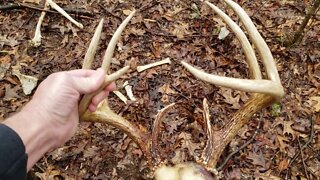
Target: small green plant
point(195, 11)
point(276, 109)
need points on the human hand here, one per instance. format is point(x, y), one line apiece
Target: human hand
point(57, 97)
point(51, 117)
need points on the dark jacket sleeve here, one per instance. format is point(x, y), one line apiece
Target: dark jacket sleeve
point(13, 158)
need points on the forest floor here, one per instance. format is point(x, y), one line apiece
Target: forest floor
point(180, 30)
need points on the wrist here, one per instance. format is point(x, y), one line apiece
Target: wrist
point(33, 130)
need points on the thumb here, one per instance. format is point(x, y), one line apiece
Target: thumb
point(89, 83)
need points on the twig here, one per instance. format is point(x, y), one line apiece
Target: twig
point(110, 13)
point(302, 158)
point(305, 145)
point(154, 3)
point(297, 37)
point(12, 6)
point(240, 148)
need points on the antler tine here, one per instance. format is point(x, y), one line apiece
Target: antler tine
point(247, 85)
point(274, 88)
point(113, 42)
point(155, 132)
point(85, 101)
point(258, 41)
point(88, 58)
point(248, 50)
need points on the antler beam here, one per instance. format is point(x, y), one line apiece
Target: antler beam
point(266, 91)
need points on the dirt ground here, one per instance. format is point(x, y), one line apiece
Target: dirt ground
point(287, 143)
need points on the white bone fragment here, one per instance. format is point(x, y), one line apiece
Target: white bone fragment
point(64, 13)
point(128, 89)
point(120, 96)
point(224, 32)
point(148, 66)
point(36, 41)
point(125, 84)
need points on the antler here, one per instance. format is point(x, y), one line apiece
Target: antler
point(103, 113)
point(266, 91)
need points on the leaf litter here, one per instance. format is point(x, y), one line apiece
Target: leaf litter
point(181, 30)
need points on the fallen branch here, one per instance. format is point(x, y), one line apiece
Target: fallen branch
point(12, 6)
point(302, 159)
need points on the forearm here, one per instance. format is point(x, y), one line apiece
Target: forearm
point(34, 133)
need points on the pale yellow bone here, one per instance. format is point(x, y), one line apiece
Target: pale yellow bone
point(36, 41)
point(148, 66)
point(64, 13)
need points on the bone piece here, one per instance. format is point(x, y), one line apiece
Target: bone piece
point(121, 96)
point(128, 89)
point(148, 66)
point(36, 41)
point(125, 84)
point(65, 14)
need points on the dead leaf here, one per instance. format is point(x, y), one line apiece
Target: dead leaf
point(287, 129)
point(165, 89)
point(181, 29)
point(28, 82)
point(186, 140)
point(283, 165)
point(282, 143)
point(266, 176)
point(8, 41)
point(127, 12)
point(137, 32)
point(315, 103)
point(91, 151)
point(4, 65)
point(50, 174)
point(11, 92)
point(257, 158)
point(229, 98)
